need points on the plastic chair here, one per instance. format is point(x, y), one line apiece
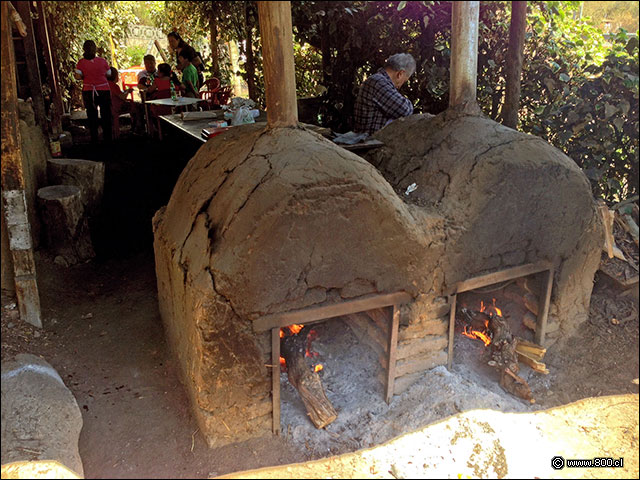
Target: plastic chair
point(214, 93)
point(129, 77)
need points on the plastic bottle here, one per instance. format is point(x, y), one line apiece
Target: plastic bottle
point(174, 97)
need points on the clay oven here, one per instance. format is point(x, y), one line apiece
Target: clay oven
point(265, 222)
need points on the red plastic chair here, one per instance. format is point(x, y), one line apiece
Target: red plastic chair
point(129, 77)
point(214, 93)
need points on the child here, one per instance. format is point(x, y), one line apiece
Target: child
point(161, 87)
point(120, 103)
point(189, 75)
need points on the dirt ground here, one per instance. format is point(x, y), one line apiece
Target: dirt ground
point(103, 334)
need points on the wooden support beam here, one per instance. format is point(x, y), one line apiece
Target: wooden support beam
point(322, 312)
point(13, 196)
point(392, 351)
point(501, 276)
point(452, 327)
point(52, 75)
point(275, 378)
point(279, 67)
point(33, 68)
point(54, 65)
point(541, 326)
point(464, 55)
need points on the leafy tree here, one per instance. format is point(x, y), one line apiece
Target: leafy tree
point(581, 94)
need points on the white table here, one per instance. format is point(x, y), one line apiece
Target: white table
point(178, 102)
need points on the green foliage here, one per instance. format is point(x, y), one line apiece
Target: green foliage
point(579, 91)
point(134, 54)
point(76, 21)
point(581, 94)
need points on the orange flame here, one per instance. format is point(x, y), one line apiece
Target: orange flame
point(468, 332)
point(317, 368)
point(283, 362)
point(295, 328)
point(483, 334)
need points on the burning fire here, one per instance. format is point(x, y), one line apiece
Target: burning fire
point(309, 353)
point(483, 332)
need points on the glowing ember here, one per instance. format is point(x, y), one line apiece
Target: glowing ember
point(309, 353)
point(482, 333)
point(317, 368)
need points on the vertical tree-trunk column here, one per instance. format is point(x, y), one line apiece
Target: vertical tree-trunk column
point(514, 64)
point(279, 67)
point(56, 107)
point(251, 66)
point(464, 55)
point(213, 31)
point(13, 198)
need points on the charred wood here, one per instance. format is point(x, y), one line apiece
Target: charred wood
point(307, 382)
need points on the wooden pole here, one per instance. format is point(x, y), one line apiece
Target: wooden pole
point(514, 64)
point(464, 55)
point(33, 68)
point(43, 33)
point(13, 196)
point(279, 68)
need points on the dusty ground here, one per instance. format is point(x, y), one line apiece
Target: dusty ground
point(104, 336)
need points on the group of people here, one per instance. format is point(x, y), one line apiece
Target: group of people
point(379, 101)
point(101, 89)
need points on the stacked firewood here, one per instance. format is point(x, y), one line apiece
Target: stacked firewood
point(620, 250)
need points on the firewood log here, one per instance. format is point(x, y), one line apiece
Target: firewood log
point(307, 382)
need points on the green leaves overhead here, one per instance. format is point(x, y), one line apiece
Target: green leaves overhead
point(579, 90)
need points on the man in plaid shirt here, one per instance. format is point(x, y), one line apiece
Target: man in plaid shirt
point(379, 102)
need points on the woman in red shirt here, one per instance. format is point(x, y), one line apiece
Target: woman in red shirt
point(95, 90)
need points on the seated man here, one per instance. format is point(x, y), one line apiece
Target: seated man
point(147, 76)
point(379, 102)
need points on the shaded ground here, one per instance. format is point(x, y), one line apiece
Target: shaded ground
point(104, 336)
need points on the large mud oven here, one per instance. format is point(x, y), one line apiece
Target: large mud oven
point(268, 228)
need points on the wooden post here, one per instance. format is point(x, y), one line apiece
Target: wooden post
point(275, 378)
point(514, 64)
point(392, 348)
point(33, 69)
point(43, 33)
point(452, 327)
point(541, 326)
point(13, 196)
point(279, 68)
point(464, 55)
